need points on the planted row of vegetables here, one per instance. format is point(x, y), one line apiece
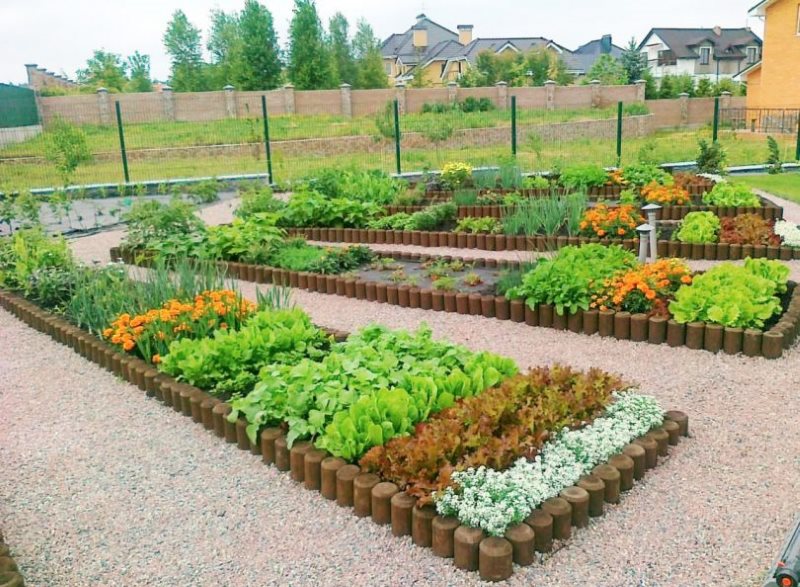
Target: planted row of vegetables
point(263, 376)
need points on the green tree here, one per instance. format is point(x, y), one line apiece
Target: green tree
point(370, 73)
point(309, 63)
point(633, 61)
point(66, 148)
point(182, 42)
point(666, 89)
point(531, 69)
point(650, 86)
point(609, 71)
point(705, 89)
point(104, 70)
point(260, 64)
point(684, 84)
point(341, 50)
point(139, 68)
point(225, 46)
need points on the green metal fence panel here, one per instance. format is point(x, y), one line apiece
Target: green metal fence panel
point(17, 107)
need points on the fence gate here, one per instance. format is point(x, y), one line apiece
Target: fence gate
point(761, 120)
point(17, 107)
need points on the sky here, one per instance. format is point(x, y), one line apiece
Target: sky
point(61, 35)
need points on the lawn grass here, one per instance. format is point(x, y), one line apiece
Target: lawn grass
point(662, 146)
point(784, 185)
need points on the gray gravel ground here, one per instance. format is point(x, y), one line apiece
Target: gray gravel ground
point(171, 505)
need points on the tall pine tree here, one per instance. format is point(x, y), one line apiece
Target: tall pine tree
point(182, 42)
point(309, 62)
point(634, 62)
point(341, 50)
point(370, 73)
point(260, 64)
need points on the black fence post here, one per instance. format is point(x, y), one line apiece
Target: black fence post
point(715, 134)
point(797, 148)
point(619, 133)
point(397, 136)
point(514, 126)
point(267, 148)
point(122, 150)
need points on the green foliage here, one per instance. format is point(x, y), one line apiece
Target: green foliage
point(726, 193)
point(484, 225)
point(369, 61)
point(535, 182)
point(609, 71)
point(583, 177)
point(455, 175)
point(494, 428)
point(547, 216)
point(512, 68)
point(640, 174)
point(66, 148)
point(699, 227)
point(569, 279)
point(373, 387)
point(252, 240)
point(139, 73)
point(310, 208)
point(228, 363)
point(104, 70)
point(511, 278)
point(260, 67)
point(341, 50)
point(29, 254)
point(465, 197)
point(634, 62)
point(635, 109)
point(257, 198)
point(774, 159)
point(150, 221)
point(204, 192)
point(309, 64)
point(711, 157)
point(296, 255)
point(362, 185)
point(733, 296)
point(182, 41)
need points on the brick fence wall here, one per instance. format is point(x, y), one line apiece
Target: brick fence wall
point(230, 103)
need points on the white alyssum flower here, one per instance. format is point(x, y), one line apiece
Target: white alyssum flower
point(494, 500)
point(789, 233)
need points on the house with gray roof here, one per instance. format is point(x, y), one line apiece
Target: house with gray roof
point(714, 54)
point(443, 55)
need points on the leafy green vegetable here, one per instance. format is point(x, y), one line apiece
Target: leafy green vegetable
point(726, 193)
point(641, 174)
point(699, 227)
point(583, 177)
point(485, 225)
point(310, 208)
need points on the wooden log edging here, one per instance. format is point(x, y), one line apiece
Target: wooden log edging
point(10, 575)
point(383, 502)
point(696, 190)
point(769, 344)
point(540, 243)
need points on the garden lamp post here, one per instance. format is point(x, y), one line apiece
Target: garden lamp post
point(644, 230)
point(652, 210)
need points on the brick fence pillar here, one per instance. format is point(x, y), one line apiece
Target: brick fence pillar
point(684, 100)
point(103, 106)
point(596, 98)
point(502, 94)
point(452, 92)
point(550, 94)
point(347, 100)
point(400, 96)
point(725, 100)
point(288, 98)
point(168, 101)
point(641, 87)
point(230, 101)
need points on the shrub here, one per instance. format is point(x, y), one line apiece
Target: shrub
point(456, 175)
point(356, 184)
point(774, 159)
point(150, 221)
point(748, 229)
point(492, 429)
point(310, 208)
point(27, 254)
point(711, 157)
point(257, 199)
point(568, 280)
point(730, 194)
point(204, 192)
point(583, 177)
point(699, 227)
point(431, 218)
point(733, 296)
point(604, 222)
point(66, 148)
point(472, 104)
point(640, 175)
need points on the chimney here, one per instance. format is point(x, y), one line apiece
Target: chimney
point(465, 34)
point(605, 45)
point(421, 17)
point(718, 31)
point(420, 39)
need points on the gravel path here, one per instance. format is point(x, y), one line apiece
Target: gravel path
point(171, 505)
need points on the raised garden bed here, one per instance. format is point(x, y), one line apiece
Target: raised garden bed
point(470, 549)
point(770, 343)
point(9, 571)
point(543, 244)
point(768, 210)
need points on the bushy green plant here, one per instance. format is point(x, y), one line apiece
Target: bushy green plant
point(568, 280)
point(472, 104)
point(732, 295)
point(726, 193)
point(431, 218)
point(363, 185)
point(583, 177)
point(204, 192)
point(711, 157)
point(485, 225)
point(639, 175)
point(546, 216)
point(150, 221)
point(310, 208)
point(28, 253)
point(699, 227)
point(376, 385)
point(509, 175)
point(257, 198)
point(535, 182)
point(456, 175)
point(252, 240)
point(228, 363)
point(465, 197)
point(66, 148)
point(774, 159)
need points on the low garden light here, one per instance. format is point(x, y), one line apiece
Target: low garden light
point(652, 211)
point(644, 230)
